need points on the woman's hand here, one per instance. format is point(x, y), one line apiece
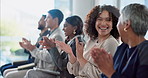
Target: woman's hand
point(79, 49)
point(27, 45)
point(103, 60)
point(65, 47)
point(79, 53)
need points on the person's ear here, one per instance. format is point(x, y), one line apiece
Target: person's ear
point(75, 27)
point(127, 25)
point(56, 19)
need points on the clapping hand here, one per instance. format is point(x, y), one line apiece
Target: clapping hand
point(103, 60)
point(63, 46)
point(79, 49)
point(47, 43)
point(27, 45)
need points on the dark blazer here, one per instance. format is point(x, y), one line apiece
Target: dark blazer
point(61, 60)
point(131, 62)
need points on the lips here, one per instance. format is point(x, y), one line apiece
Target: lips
point(103, 28)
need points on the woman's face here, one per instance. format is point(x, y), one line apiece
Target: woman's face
point(68, 29)
point(104, 24)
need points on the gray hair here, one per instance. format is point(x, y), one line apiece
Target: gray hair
point(138, 15)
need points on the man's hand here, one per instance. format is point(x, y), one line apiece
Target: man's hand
point(27, 45)
point(48, 43)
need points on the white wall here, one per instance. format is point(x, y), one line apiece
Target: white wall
point(120, 3)
point(82, 7)
point(107, 2)
point(125, 2)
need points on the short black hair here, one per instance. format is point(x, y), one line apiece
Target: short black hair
point(56, 13)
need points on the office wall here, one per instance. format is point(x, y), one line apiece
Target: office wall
point(120, 3)
point(82, 7)
point(107, 2)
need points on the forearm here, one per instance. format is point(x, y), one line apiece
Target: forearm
point(82, 61)
point(72, 58)
point(73, 68)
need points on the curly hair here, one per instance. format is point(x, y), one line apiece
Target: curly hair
point(94, 14)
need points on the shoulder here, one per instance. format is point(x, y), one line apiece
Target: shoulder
point(58, 31)
point(111, 41)
point(58, 35)
point(110, 45)
point(143, 53)
point(120, 49)
point(143, 47)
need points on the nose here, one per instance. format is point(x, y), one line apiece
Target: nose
point(103, 22)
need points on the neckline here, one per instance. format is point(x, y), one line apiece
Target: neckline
point(97, 41)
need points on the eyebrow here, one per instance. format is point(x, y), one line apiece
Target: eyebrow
point(105, 17)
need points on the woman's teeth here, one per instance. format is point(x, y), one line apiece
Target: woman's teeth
point(103, 28)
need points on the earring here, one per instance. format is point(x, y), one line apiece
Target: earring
point(74, 32)
point(125, 29)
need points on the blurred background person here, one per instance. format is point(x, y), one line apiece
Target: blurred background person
point(16, 64)
point(42, 57)
point(45, 66)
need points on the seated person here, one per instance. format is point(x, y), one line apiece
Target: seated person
point(103, 34)
point(73, 29)
point(18, 64)
point(45, 67)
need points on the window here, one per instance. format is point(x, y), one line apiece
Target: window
point(19, 18)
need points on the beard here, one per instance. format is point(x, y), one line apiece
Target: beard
point(41, 27)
